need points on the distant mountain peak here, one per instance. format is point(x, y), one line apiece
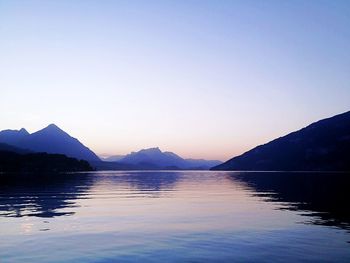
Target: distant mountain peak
point(53, 126)
point(149, 151)
point(154, 149)
point(24, 131)
point(52, 129)
point(50, 139)
point(154, 158)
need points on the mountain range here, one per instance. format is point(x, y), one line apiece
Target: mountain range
point(50, 140)
point(54, 140)
point(154, 158)
point(321, 146)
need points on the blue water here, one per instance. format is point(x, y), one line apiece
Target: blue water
point(186, 216)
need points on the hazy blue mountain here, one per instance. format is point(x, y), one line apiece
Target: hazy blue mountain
point(50, 140)
point(113, 158)
point(321, 146)
point(12, 137)
point(154, 158)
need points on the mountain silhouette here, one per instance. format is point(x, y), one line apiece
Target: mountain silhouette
point(12, 137)
point(50, 140)
point(113, 158)
point(321, 146)
point(154, 158)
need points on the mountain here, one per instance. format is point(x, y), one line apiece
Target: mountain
point(154, 158)
point(113, 158)
point(50, 140)
point(12, 137)
point(54, 140)
point(321, 146)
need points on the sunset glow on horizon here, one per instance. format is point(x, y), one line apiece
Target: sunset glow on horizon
point(202, 79)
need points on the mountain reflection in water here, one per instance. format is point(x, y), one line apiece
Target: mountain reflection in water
point(175, 216)
point(44, 196)
point(48, 196)
point(325, 196)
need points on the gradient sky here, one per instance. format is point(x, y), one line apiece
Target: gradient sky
point(204, 79)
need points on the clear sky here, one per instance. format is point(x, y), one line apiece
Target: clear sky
point(204, 79)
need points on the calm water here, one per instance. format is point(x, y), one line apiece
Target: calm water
point(176, 217)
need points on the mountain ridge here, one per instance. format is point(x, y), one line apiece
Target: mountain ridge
point(50, 139)
point(322, 145)
point(154, 158)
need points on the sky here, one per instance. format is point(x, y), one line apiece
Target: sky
point(204, 79)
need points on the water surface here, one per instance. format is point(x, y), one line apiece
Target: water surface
point(173, 216)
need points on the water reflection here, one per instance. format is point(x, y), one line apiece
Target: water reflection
point(325, 195)
point(141, 180)
point(45, 196)
point(175, 216)
point(48, 196)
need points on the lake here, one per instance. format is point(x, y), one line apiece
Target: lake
point(176, 216)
